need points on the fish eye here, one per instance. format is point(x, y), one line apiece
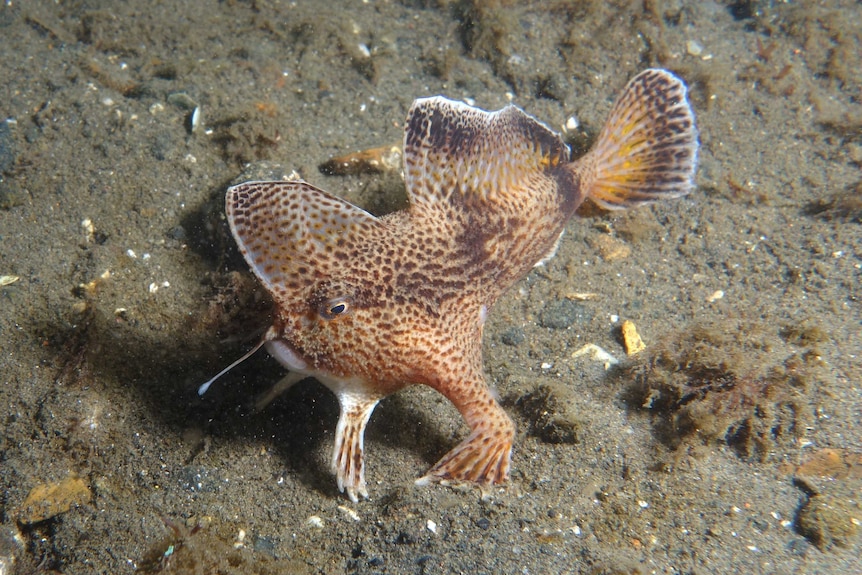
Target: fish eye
point(335, 307)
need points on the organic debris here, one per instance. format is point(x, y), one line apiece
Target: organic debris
point(730, 381)
point(832, 464)
point(213, 549)
point(378, 160)
point(827, 520)
point(844, 206)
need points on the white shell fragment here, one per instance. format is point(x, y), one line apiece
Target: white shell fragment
point(195, 119)
point(185, 102)
point(89, 229)
point(349, 512)
point(694, 48)
point(597, 354)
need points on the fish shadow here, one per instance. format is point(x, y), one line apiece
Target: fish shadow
point(301, 423)
point(160, 377)
point(158, 370)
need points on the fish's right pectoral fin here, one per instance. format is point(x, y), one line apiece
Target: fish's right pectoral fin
point(647, 150)
point(291, 232)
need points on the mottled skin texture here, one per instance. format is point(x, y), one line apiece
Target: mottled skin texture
point(369, 305)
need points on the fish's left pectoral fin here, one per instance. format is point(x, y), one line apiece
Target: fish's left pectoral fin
point(484, 457)
point(348, 457)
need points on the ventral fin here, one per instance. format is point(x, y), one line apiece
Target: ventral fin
point(291, 232)
point(454, 152)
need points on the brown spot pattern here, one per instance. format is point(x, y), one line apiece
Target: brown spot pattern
point(490, 194)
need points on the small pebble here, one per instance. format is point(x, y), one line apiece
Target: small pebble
point(513, 336)
point(177, 233)
point(48, 500)
point(264, 545)
point(694, 48)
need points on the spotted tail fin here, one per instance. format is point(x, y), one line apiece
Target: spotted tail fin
point(647, 150)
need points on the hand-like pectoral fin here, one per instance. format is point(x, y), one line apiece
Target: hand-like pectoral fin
point(485, 455)
point(483, 458)
point(348, 458)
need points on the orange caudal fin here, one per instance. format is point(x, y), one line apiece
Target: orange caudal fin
point(647, 150)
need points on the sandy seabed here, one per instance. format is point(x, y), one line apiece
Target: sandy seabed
point(731, 445)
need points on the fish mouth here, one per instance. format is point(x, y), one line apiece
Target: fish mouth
point(285, 355)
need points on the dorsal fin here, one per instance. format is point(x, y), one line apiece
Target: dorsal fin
point(292, 232)
point(453, 151)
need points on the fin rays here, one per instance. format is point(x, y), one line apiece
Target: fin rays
point(454, 152)
point(290, 231)
point(647, 150)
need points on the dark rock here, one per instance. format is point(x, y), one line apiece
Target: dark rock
point(513, 336)
point(550, 410)
point(177, 233)
point(564, 313)
point(7, 150)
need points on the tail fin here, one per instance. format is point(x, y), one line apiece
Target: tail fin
point(647, 150)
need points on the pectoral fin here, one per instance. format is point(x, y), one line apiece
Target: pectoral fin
point(292, 232)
